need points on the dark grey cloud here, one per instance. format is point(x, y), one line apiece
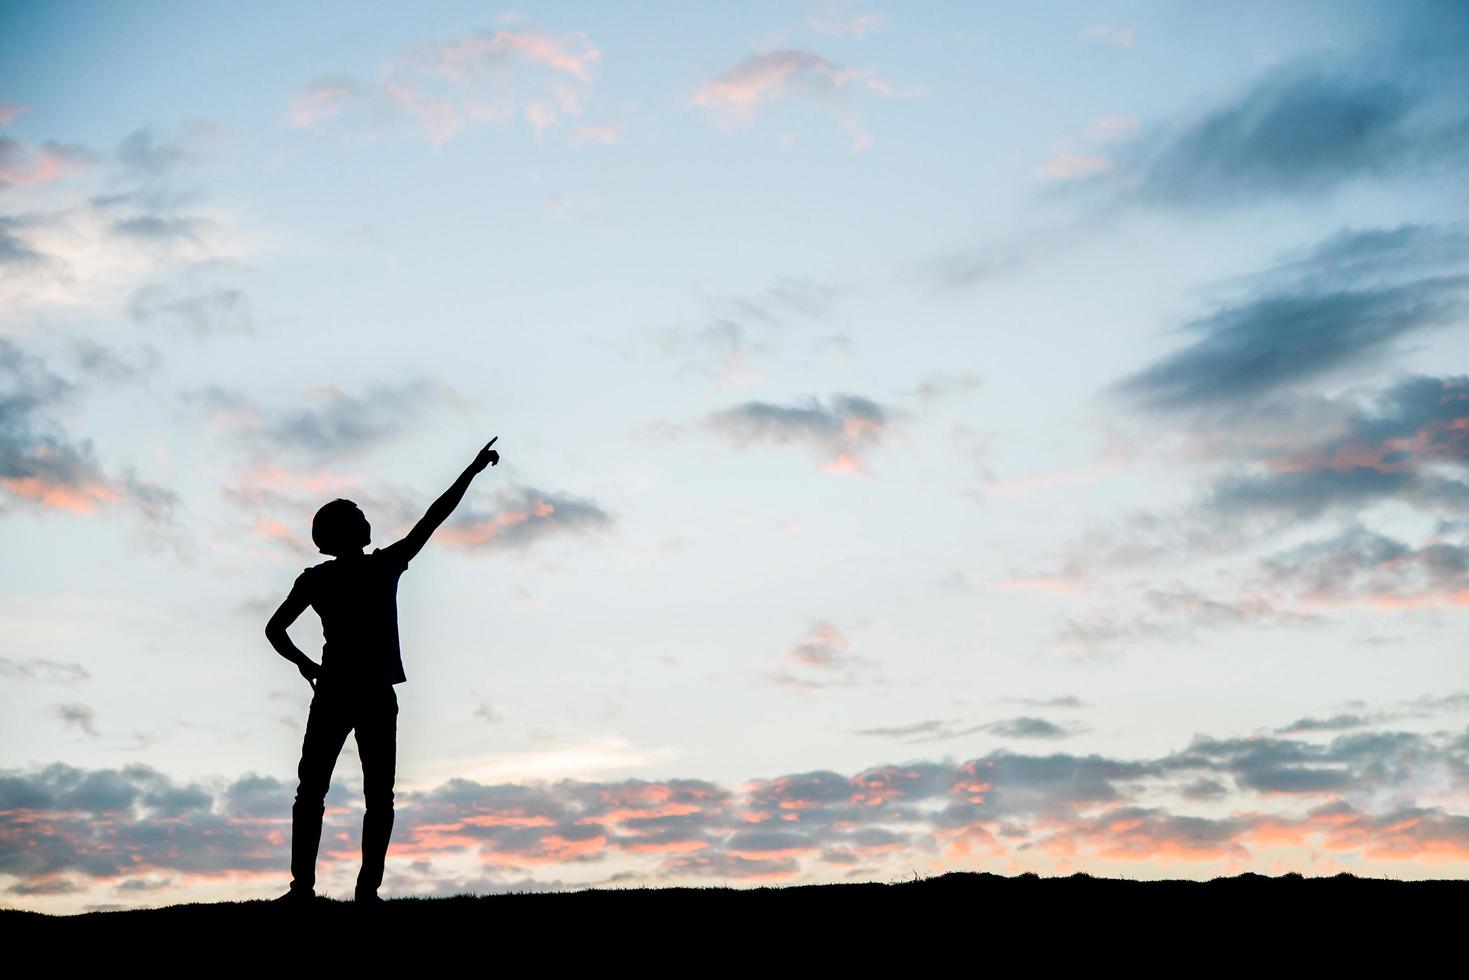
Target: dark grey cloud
point(1304, 129)
point(77, 715)
point(919, 731)
point(1026, 727)
point(1358, 763)
point(523, 517)
point(935, 730)
point(1335, 723)
point(841, 431)
point(1058, 701)
point(152, 228)
point(1395, 105)
point(1204, 790)
point(1349, 302)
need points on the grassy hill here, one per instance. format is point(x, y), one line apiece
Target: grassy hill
point(975, 917)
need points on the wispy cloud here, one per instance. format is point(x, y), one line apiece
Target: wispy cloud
point(485, 77)
point(737, 94)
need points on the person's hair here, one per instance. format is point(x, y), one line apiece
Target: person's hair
point(334, 528)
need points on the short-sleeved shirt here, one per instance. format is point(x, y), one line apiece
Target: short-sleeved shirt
point(357, 600)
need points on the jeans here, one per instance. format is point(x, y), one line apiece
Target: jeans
point(336, 709)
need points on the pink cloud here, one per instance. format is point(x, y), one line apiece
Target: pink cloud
point(81, 498)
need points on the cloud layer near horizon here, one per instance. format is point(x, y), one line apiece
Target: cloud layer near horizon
point(1374, 801)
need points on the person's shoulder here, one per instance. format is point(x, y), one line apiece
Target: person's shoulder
point(392, 555)
point(311, 571)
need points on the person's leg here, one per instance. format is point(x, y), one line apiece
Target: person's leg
point(377, 744)
point(326, 731)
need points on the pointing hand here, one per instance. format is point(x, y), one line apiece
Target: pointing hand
point(486, 457)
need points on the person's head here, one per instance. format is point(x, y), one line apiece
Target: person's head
point(340, 528)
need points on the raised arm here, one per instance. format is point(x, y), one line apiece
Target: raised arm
point(440, 510)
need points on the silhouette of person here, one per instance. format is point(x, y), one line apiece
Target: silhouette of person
point(356, 596)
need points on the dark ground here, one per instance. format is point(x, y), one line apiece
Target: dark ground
point(971, 921)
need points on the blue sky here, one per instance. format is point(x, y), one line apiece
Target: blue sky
point(892, 401)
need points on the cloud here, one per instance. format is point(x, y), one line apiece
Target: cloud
point(129, 224)
point(76, 715)
point(330, 424)
point(20, 166)
point(738, 331)
point(936, 387)
point(41, 465)
point(42, 669)
point(323, 98)
point(1025, 727)
point(1175, 614)
point(1407, 444)
point(1300, 131)
point(1058, 701)
point(822, 658)
point(484, 77)
point(934, 730)
point(1346, 303)
point(736, 95)
point(840, 432)
point(1378, 801)
point(1362, 566)
point(1336, 723)
point(523, 517)
point(211, 311)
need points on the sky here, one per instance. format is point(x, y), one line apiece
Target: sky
point(934, 437)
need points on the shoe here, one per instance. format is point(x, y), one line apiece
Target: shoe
point(296, 896)
point(372, 899)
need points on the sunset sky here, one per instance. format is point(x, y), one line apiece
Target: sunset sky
point(934, 436)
